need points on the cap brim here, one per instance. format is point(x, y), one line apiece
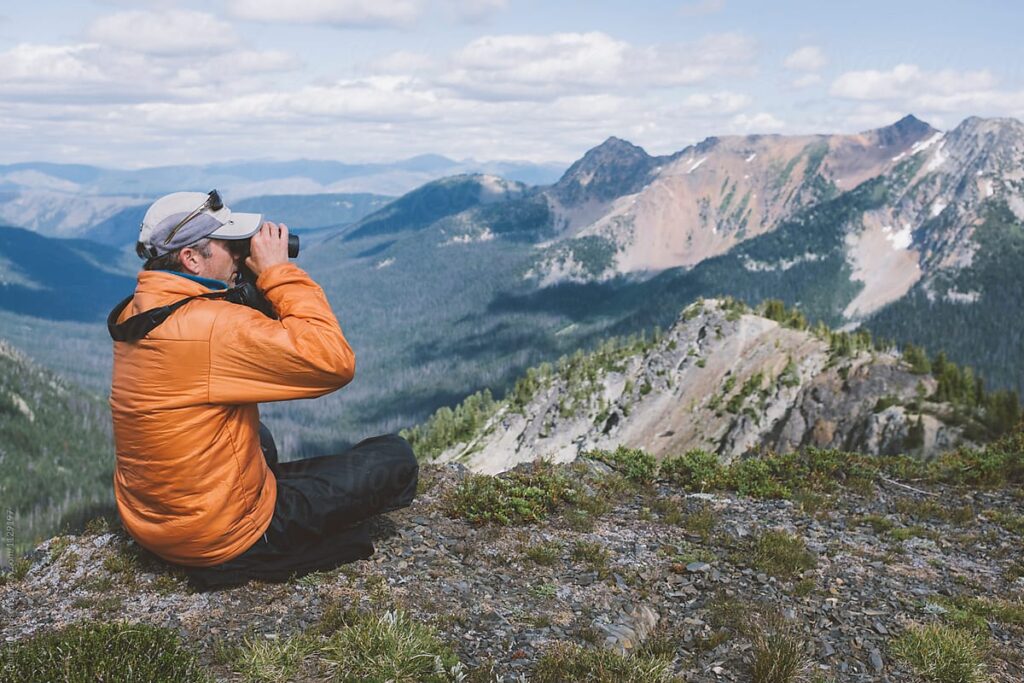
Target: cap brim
point(238, 226)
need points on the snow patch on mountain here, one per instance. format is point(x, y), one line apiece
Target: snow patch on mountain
point(782, 264)
point(899, 239)
point(469, 238)
point(922, 145)
point(938, 158)
point(953, 296)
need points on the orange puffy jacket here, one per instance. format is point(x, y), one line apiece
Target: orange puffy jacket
point(191, 482)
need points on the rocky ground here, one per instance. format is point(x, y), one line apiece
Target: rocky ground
point(690, 576)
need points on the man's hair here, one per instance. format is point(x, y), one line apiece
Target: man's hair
point(172, 259)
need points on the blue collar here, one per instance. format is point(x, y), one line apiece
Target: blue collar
point(209, 283)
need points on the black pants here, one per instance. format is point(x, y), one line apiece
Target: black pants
point(321, 503)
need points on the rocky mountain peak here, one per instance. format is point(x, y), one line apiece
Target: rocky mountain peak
point(612, 169)
point(997, 143)
point(904, 132)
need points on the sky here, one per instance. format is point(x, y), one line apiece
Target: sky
point(135, 84)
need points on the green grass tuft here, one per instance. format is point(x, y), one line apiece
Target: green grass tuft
point(778, 655)
point(781, 554)
point(943, 654)
point(390, 646)
point(593, 554)
point(89, 651)
point(260, 659)
point(545, 554)
point(569, 662)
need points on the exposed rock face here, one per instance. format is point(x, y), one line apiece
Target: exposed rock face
point(663, 212)
point(730, 383)
point(939, 191)
point(834, 409)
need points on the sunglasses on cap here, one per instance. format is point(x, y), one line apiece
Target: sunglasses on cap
point(213, 203)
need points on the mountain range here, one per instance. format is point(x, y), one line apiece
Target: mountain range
point(466, 281)
point(67, 200)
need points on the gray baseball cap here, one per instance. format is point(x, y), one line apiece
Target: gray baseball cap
point(182, 218)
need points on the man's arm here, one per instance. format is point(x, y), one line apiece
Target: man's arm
point(303, 354)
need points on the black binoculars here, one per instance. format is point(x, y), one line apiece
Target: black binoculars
point(243, 247)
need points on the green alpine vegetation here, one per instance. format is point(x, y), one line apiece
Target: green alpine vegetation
point(56, 453)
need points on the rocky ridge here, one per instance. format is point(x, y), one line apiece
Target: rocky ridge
point(658, 569)
point(724, 380)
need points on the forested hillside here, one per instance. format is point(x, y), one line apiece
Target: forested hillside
point(56, 455)
point(975, 314)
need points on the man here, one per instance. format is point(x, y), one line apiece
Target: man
point(197, 480)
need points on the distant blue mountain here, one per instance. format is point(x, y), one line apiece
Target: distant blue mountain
point(298, 212)
point(431, 202)
point(159, 180)
point(59, 279)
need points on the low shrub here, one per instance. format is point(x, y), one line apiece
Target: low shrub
point(695, 470)
point(521, 496)
point(632, 463)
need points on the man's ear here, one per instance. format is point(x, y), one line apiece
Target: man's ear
point(190, 260)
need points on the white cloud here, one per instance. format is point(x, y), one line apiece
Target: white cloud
point(245, 62)
point(717, 103)
point(540, 60)
point(908, 80)
point(101, 74)
point(167, 32)
point(761, 122)
point(47, 64)
point(548, 66)
point(531, 97)
point(402, 61)
point(343, 13)
point(807, 58)
point(943, 97)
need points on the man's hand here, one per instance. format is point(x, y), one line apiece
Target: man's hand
point(268, 247)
